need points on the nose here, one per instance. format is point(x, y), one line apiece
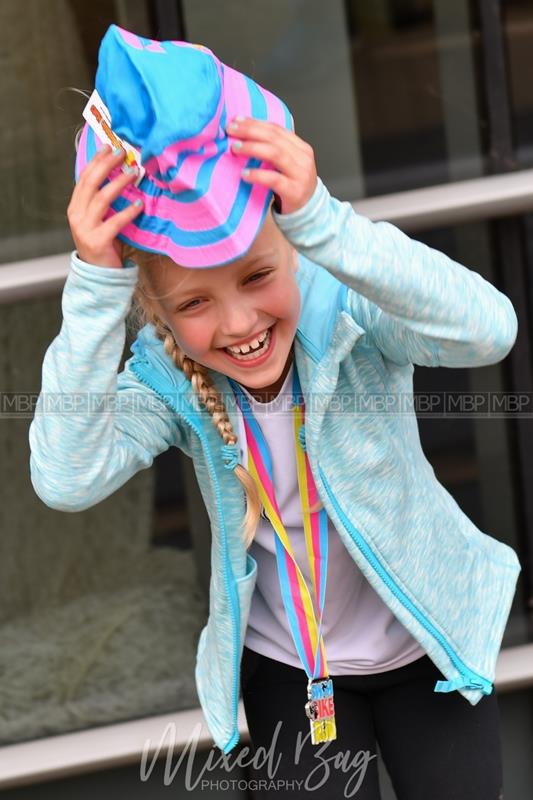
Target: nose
point(237, 320)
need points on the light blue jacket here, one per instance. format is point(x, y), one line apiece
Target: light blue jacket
point(374, 303)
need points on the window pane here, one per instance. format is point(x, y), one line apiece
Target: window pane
point(518, 20)
point(51, 47)
point(101, 610)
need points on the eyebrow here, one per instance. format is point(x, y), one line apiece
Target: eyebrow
point(202, 289)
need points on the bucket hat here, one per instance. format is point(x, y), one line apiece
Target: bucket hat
point(172, 101)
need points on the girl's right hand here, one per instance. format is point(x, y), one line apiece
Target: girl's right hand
point(95, 239)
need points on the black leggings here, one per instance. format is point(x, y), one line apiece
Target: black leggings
point(435, 745)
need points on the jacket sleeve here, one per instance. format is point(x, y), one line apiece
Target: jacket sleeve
point(417, 304)
point(94, 429)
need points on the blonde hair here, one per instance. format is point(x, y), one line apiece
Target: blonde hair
point(143, 313)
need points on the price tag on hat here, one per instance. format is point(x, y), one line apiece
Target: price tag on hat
point(98, 117)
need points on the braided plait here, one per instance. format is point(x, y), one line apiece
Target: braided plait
point(201, 383)
point(208, 396)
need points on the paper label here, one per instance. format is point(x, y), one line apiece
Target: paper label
point(98, 117)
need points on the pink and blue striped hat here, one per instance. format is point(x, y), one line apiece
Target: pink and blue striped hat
point(172, 101)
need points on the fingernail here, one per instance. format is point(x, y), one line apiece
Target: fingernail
point(117, 150)
point(245, 172)
point(233, 125)
point(237, 145)
point(138, 203)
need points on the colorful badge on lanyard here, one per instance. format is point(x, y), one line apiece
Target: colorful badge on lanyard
point(305, 630)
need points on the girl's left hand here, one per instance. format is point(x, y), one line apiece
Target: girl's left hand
point(294, 178)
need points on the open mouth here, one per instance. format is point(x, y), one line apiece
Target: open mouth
point(257, 349)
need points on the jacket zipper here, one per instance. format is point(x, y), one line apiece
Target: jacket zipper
point(137, 369)
point(469, 679)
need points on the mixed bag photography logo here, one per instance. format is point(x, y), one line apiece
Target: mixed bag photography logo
point(263, 765)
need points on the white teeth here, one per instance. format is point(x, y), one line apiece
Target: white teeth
point(242, 353)
point(245, 348)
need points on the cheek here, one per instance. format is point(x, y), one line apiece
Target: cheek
point(194, 338)
point(284, 302)
point(296, 303)
point(291, 304)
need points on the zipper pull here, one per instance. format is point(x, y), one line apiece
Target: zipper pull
point(466, 681)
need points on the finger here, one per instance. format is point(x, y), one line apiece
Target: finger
point(94, 174)
point(112, 226)
point(278, 155)
point(105, 196)
point(291, 194)
point(265, 131)
point(280, 184)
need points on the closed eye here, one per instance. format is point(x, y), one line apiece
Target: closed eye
point(257, 276)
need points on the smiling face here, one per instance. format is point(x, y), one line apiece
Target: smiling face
point(234, 306)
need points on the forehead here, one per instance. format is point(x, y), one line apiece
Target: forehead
point(187, 279)
point(171, 283)
point(172, 279)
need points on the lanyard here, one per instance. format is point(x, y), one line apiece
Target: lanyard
point(306, 631)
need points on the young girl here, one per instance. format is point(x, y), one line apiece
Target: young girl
point(277, 350)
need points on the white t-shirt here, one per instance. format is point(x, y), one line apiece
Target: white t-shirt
point(361, 634)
